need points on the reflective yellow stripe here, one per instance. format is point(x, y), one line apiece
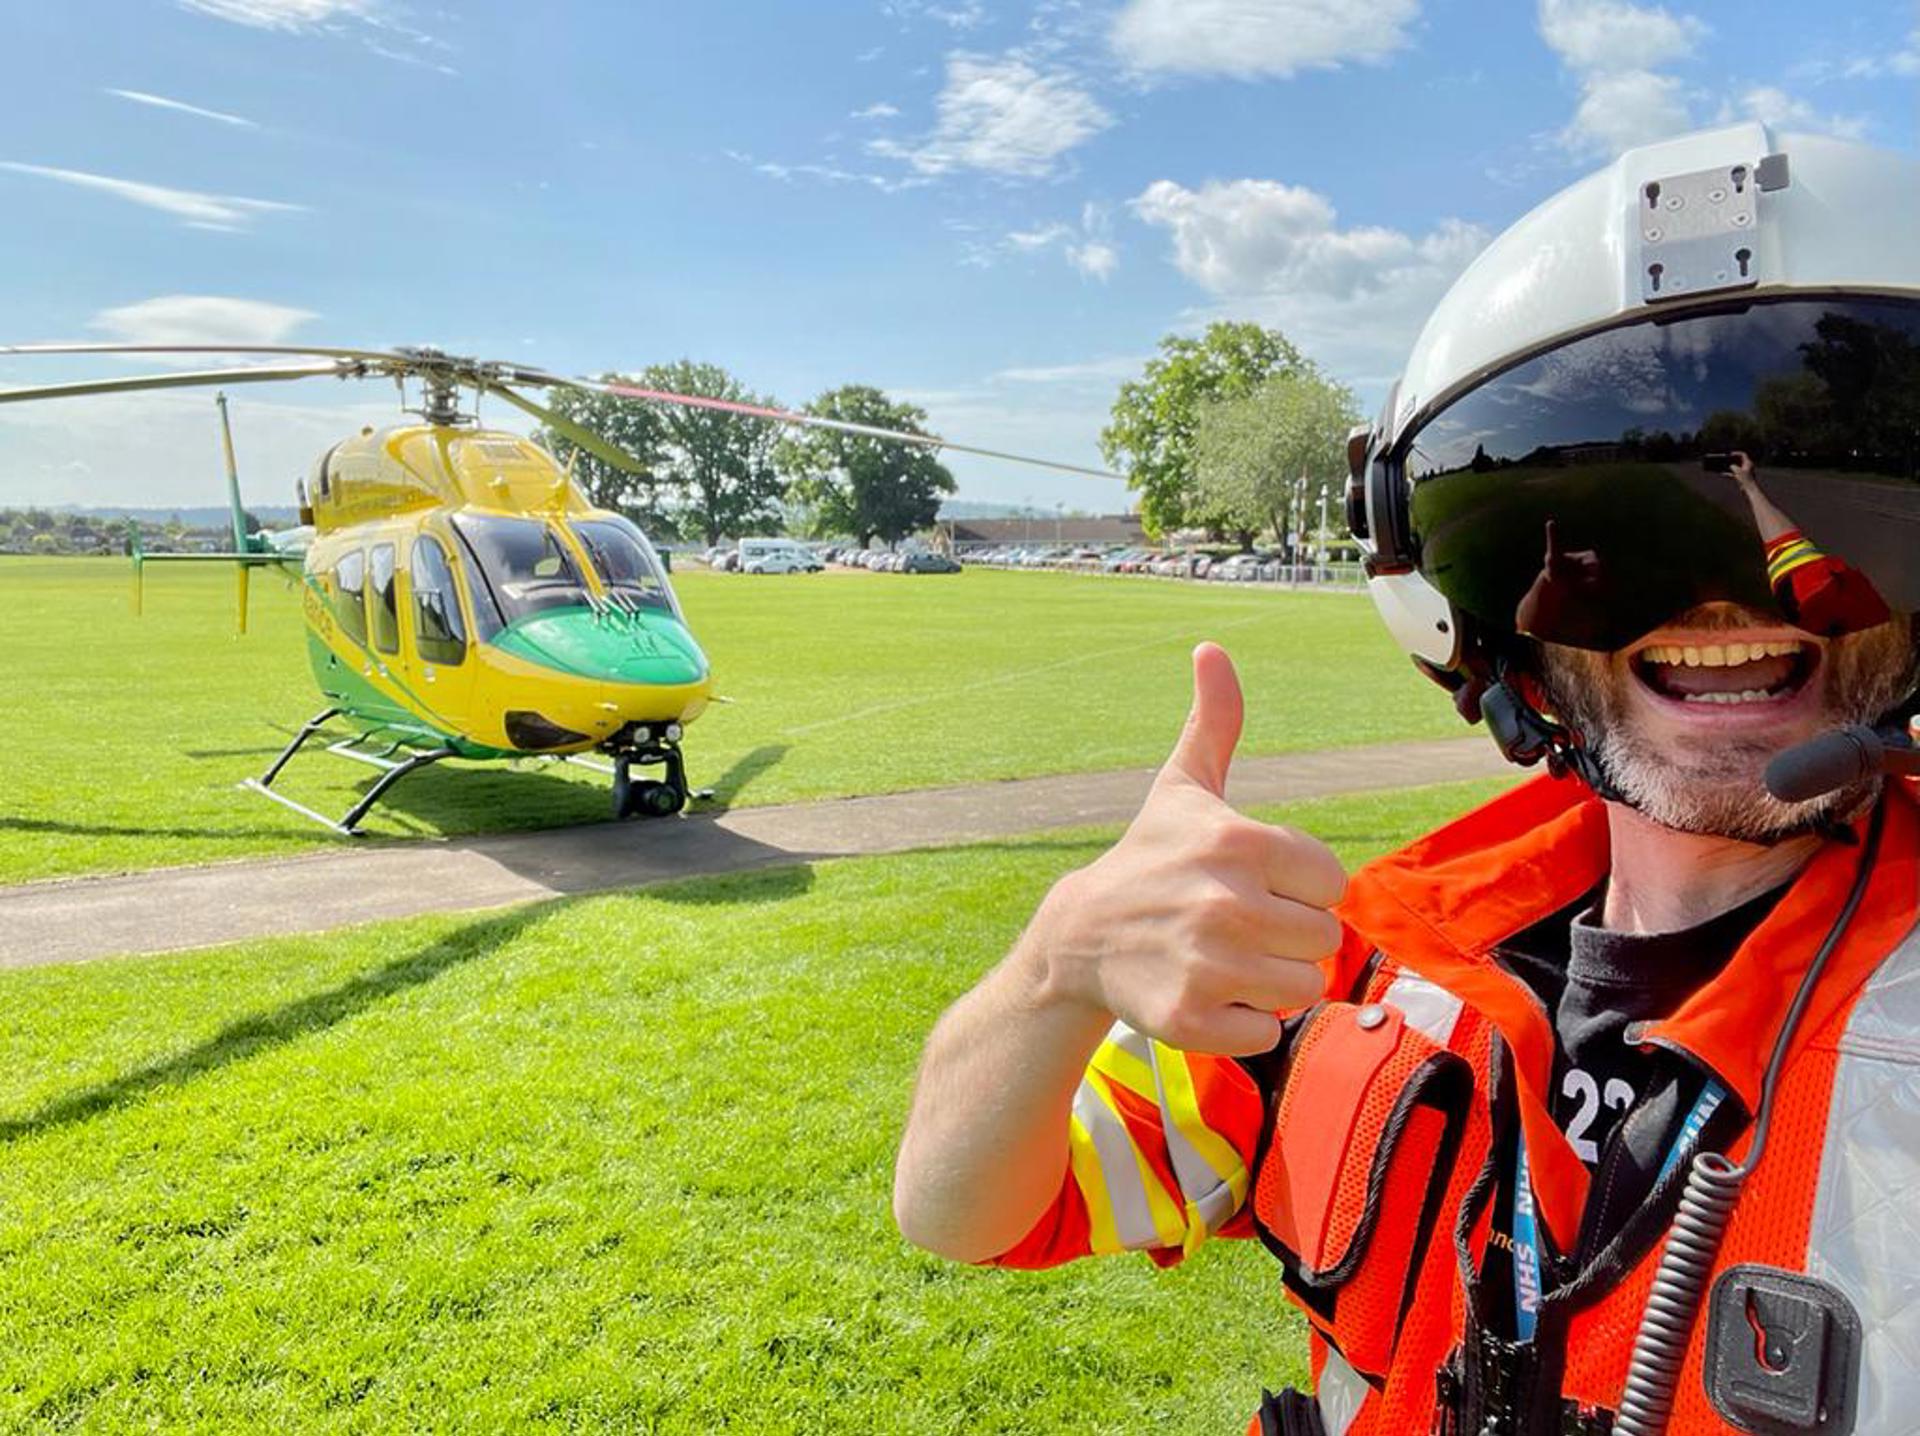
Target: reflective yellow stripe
point(1117, 1064)
point(1102, 1239)
point(1169, 1221)
point(1189, 1137)
point(1794, 555)
point(1183, 1104)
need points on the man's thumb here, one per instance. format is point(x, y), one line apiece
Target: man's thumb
point(1206, 744)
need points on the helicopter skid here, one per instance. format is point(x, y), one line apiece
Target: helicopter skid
point(255, 785)
point(392, 771)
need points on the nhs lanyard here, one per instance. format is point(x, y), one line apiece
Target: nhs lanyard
point(1526, 1221)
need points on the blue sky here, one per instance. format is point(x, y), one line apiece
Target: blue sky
point(994, 209)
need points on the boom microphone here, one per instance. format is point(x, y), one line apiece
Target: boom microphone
point(1833, 761)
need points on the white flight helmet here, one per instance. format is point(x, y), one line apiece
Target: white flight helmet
point(1538, 469)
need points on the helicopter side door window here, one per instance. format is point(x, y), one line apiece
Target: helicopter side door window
point(439, 632)
point(349, 594)
point(383, 607)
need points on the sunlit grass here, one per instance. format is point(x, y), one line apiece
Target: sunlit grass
point(606, 1164)
point(126, 736)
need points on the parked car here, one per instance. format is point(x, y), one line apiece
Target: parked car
point(928, 563)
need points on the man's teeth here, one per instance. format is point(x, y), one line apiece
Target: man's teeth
point(1716, 655)
point(1745, 695)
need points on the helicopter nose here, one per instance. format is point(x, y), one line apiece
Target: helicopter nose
point(647, 648)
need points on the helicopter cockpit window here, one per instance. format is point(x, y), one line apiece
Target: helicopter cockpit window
point(384, 610)
point(439, 632)
point(349, 594)
point(625, 566)
point(523, 564)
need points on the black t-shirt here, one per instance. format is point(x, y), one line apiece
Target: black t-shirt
point(1595, 982)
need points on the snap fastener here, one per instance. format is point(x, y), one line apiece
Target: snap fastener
point(1370, 1016)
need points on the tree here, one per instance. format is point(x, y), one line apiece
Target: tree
point(864, 486)
point(709, 472)
point(627, 424)
point(718, 465)
point(1252, 454)
point(1155, 416)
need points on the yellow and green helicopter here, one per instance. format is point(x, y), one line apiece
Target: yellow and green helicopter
point(462, 598)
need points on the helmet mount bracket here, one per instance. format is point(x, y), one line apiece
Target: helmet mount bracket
point(1700, 232)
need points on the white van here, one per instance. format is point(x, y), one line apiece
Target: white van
point(776, 555)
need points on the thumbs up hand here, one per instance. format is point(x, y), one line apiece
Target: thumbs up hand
point(1199, 923)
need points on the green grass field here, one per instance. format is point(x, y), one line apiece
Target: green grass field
point(126, 736)
point(606, 1164)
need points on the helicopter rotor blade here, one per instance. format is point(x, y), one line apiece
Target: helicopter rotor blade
point(262, 374)
point(319, 351)
point(799, 420)
point(575, 434)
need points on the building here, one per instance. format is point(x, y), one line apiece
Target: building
point(1096, 531)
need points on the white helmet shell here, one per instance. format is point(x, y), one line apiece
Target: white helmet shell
point(1845, 220)
point(1821, 215)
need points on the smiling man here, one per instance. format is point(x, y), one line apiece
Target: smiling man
point(1599, 1109)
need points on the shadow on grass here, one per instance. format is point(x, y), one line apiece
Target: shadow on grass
point(744, 771)
point(264, 1031)
point(764, 885)
point(134, 830)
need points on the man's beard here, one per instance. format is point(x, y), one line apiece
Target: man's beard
point(1718, 788)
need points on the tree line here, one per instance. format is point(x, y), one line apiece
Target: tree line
point(708, 474)
point(1236, 433)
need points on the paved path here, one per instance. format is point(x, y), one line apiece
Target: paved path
point(72, 920)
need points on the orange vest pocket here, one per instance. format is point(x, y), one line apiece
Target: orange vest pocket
point(1353, 1167)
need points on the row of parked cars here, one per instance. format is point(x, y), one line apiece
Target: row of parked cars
point(879, 560)
point(1268, 566)
point(764, 556)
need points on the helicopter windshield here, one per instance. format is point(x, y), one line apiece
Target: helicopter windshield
point(523, 564)
point(625, 562)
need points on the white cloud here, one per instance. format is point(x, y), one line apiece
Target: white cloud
point(379, 25)
point(1624, 108)
point(1045, 236)
point(1615, 49)
point(826, 174)
point(293, 16)
point(1612, 48)
point(1352, 298)
point(1004, 116)
point(1094, 371)
point(1606, 36)
point(154, 449)
point(880, 111)
point(1773, 106)
point(1259, 37)
point(1095, 259)
point(962, 16)
point(197, 209)
point(199, 319)
point(1086, 247)
point(140, 97)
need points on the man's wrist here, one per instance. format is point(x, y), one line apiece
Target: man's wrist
point(1052, 966)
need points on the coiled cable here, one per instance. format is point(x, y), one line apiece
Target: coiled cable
point(1706, 1207)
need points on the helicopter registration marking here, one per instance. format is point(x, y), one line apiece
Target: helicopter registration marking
point(319, 615)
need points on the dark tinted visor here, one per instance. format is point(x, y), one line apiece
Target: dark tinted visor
point(1575, 497)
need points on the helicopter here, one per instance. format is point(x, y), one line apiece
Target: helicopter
point(461, 596)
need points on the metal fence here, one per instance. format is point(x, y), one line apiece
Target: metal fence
point(1187, 568)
